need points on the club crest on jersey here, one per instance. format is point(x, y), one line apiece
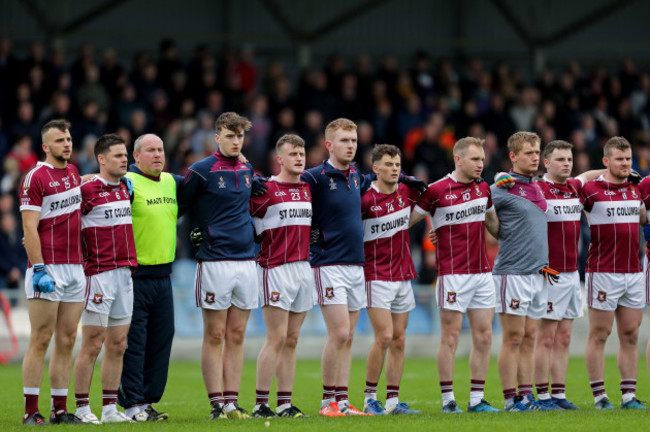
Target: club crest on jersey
point(329, 292)
point(222, 183)
point(332, 184)
point(522, 192)
point(275, 296)
point(514, 304)
point(400, 201)
point(98, 298)
point(549, 308)
point(451, 297)
point(602, 296)
point(25, 190)
point(306, 194)
point(477, 190)
point(634, 195)
point(356, 182)
point(248, 180)
point(209, 297)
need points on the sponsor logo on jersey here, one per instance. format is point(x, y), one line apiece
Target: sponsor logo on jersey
point(602, 296)
point(248, 180)
point(98, 298)
point(451, 297)
point(514, 304)
point(209, 297)
point(332, 184)
point(275, 296)
point(549, 307)
point(329, 292)
point(222, 183)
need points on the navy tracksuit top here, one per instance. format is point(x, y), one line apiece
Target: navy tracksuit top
point(336, 204)
point(220, 187)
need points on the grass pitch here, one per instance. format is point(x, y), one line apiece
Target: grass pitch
point(186, 402)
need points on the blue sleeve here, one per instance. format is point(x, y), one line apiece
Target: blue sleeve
point(179, 181)
point(308, 178)
point(189, 188)
point(366, 181)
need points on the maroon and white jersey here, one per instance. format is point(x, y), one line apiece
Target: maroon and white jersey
point(386, 242)
point(282, 218)
point(106, 226)
point(56, 194)
point(613, 213)
point(644, 188)
point(458, 216)
point(563, 214)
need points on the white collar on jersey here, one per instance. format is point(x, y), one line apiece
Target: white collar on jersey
point(40, 163)
point(106, 182)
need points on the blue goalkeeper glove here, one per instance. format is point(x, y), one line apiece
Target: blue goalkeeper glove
point(504, 180)
point(129, 185)
point(646, 232)
point(259, 186)
point(413, 182)
point(42, 281)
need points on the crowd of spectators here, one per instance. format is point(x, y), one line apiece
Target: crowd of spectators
point(422, 106)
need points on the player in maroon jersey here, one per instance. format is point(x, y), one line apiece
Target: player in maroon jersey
point(644, 187)
point(564, 296)
point(109, 249)
point(50, 202)
point(282, 218)
point(461, 209)
point(385, 210)
point(615, 284)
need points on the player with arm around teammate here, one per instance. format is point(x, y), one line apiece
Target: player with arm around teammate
point(520, 269)
point(614, 277)
point(385, 211)
point(460, 206)
point(564, 302)
point(50, 204)
point(109, 250)
point(282, 218)
point(219, 186)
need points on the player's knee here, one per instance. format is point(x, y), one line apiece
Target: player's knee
point(383, 340)
point(65, 340)
point(513, 339)
point(117, 347)
point(40, 340)
point(630, 337)
point(214, 336)
point(291, 342)
point(563, 339)
point(339, 337)
point(236, 336)
point(450, 339)
point(599, 335)
point(398, 342)
point(483, 339)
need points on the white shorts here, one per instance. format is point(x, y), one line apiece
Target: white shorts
point(288, 287)
point(394, 296)
point(221, 284)
point(340, 284)
point(461, 292)
point(606, 291)
point(70, 283)
point(523, 295)
point(110, 293)
point(564, 298)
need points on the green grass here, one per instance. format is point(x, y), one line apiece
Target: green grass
point(186, 402)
